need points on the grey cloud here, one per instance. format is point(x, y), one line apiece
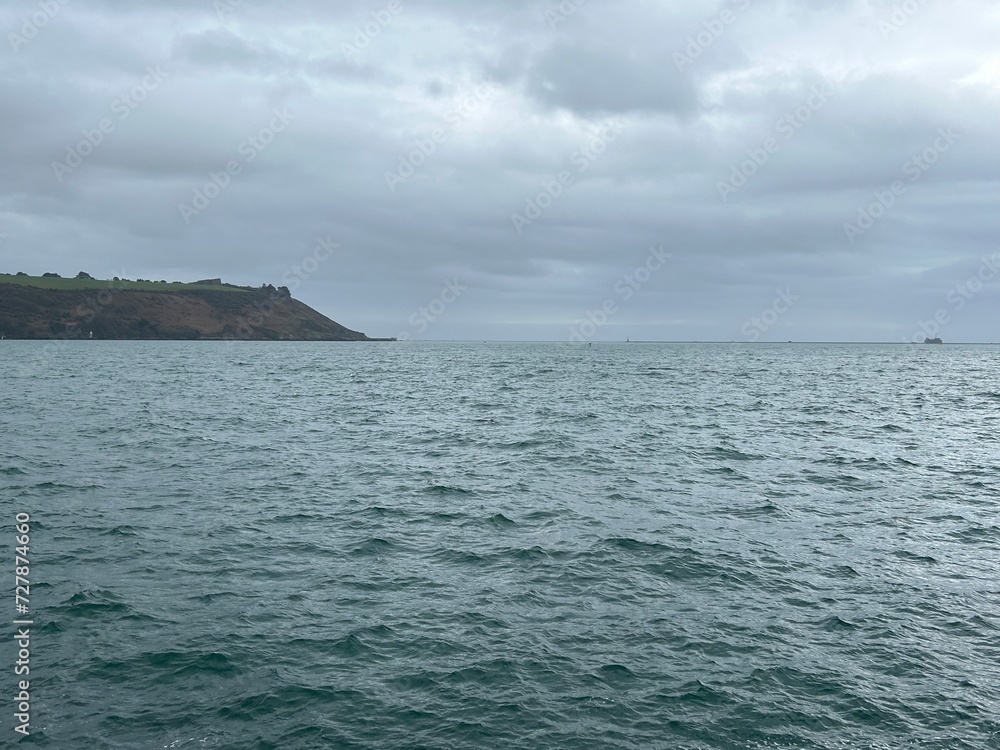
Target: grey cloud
point(597, 80)
point(223, 47)
point(359, 117)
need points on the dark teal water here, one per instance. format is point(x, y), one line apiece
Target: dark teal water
point(506, 546)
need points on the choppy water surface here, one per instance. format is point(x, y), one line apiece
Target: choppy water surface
point(511, 546)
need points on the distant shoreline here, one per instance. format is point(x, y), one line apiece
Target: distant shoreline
point(83, 308)
point(376, 340)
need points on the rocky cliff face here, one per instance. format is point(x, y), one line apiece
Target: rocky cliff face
point(28, 312)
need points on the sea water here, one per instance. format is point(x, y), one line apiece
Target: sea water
point(285, 545)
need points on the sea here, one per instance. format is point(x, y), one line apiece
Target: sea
point(448, 546)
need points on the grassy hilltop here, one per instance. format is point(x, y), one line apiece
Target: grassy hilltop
point(44, 307)
point(75, 284)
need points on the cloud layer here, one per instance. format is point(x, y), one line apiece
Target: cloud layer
point(809, 171)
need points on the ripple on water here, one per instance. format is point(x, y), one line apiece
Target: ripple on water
point(452, 546)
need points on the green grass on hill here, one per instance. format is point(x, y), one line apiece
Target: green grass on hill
point(49, 282)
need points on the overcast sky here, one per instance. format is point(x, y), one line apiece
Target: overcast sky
point(776, 169)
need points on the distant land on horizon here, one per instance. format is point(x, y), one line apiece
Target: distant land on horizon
point(50, 306)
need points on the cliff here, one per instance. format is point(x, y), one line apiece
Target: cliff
point(37, 308)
